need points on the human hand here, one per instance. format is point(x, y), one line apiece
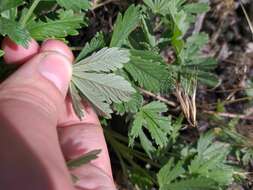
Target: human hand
point(38, 125)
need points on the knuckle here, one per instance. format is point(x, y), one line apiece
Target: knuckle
point(31, 95)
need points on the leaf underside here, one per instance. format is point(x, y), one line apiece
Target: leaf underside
point(94, 81)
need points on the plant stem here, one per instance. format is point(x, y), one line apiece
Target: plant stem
point(158, 97)
point(229, 115)
point(29, 13)
point(95, 6)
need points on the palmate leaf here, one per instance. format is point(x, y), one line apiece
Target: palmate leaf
point(169, 172)
point(125, 25)
point(8, 4)
point(95, 44)
point(199, 183)
point(94, 82)
point(158, 6)
point(105, 60)
point(113, 88)
point(95, 99)
point(66, 24)
point(192, 48)
point(148, 71)
point(15, 31)
point(75, 5)
point(158, 126)
point(210, 160)
point(193, 63)
point(131, 106)
point(101, 88)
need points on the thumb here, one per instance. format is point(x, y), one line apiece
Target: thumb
point(30, 102)
point(43, 81)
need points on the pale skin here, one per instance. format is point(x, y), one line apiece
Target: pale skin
point(38, 128)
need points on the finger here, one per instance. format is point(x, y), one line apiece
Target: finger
point(30, 102)
point(92, 177)
point(69, 117)
point(57, 46)
point(16, 54)
point(80, 137)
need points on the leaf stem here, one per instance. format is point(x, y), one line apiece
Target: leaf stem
point(29, 13)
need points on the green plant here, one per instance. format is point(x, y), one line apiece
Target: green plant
point(116, 72)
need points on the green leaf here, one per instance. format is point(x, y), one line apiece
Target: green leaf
point(105, 60)
point(66, 24)
point(101, 88)
point(8, 4)
point(146, 30)
point(210, 160)
point(141, 177)
point(193, 63)
point(223, 176)
point(196, 8)
point(199, 183)
point(10, 14)
point(97, 100)
point(158, 126)
point(95, 44)
point(148, 72)
point(75, 5)
point(15, 31)
point(85, 159)
point(95, 83)
point(1, 53)
point(125, 25)
point(76, 100)
point(146, 144)
point(176, 126)
point(205, 77)
point(204, 142)
point(136, 128)
point(169, 172)
point(158, 6)
point(132, 106)
point(192, 47)
point(113, 88)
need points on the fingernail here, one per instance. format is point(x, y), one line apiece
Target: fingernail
point(57, 69)
point(57, 46)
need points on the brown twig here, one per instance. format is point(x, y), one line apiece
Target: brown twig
point(229, 115)
point(230, 90)
point(158, 97)
point(97, 5)
point(227, 102)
